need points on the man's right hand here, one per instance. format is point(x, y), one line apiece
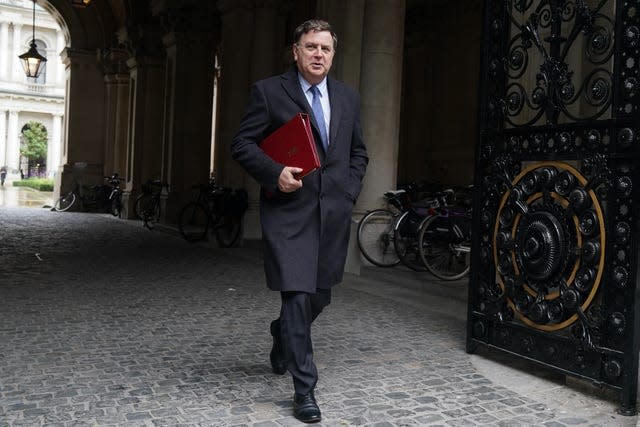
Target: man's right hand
point(287, 183)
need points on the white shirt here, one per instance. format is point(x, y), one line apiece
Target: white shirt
point(324, 98)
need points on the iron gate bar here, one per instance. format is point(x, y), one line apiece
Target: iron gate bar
point(554, 261)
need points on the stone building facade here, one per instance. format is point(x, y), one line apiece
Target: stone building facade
point(21, 99)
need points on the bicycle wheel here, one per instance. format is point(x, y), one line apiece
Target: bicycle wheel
point(149, 210)
point(406, 241)
point(64, 203)
point(375, 238)
point(228, 230)
point(194, 222)
point(151, 213)
point(116, 204)
point(443, 258)
point(143, 204)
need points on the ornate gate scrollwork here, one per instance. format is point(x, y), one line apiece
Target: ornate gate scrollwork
point(548, 245)
point(555, 248)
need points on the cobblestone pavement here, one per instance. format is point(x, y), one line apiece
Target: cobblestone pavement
point(104, 323)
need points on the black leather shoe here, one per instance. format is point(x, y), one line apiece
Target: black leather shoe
point(276, 357)
point(305, 408)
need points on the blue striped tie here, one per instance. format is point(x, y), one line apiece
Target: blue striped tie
point(316, 106)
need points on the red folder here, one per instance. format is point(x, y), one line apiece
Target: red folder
point(292, 144)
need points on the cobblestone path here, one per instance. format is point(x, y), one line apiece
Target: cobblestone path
point(104, 323)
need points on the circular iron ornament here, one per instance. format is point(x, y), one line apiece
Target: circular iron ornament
point(626, 137)
point(632, 35)
point(549, 245)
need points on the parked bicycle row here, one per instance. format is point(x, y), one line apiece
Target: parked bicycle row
point(105, 198)
point(423, 228)
point(215, 211)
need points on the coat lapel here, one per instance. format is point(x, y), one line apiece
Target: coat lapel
point(291, 85)
point(336, 113)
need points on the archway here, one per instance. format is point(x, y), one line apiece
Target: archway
point(33, 150)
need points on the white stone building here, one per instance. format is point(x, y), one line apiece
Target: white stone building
point(25, 99)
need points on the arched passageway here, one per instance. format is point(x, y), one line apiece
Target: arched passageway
point(140, 79)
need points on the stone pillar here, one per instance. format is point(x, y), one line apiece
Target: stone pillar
point(380, 84)
point(144, 152)
point(265, 61)
point(186, 148)
point(83, 139)
point(116, 81)
point(346, 19)
point(268, 39)
point(4, 50)
point(235, 81)
point(55, 147)
point(378, 71)
point(118, 86)
point(13, 142)
point(60, 45)
point(17, 72)
point(3, 138)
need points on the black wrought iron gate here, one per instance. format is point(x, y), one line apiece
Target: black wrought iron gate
point(555, 246)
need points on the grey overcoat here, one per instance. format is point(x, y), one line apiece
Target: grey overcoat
point(305, 233)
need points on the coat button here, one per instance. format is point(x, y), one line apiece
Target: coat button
point(321, 196)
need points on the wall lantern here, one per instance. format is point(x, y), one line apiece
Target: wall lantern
point(32, 61)
point(80, 3)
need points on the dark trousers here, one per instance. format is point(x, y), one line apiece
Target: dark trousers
point(293, 328)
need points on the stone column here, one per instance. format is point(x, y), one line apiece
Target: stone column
point(235, 80)
point(13, 142)
point(3, 138)
point(380, 84)
point(237, 74)
point(17, 72)
point(145, 66)
point(118, 85)
point(266, 61)
point(55, 147)
point(116, 81)
point(60, 45)
point(4, 50)
point(83, 139)
point(378, 71)
point(144, 151)
point(190, 34)
point(346, 19)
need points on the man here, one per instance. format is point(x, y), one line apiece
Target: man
point(305, 222)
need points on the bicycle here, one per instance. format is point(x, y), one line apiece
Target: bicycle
point(445, 242)
point(408, 224)
point(96, 198)
point(216, 209)
point(147, 205)
point(115, 195)
point(376, 233)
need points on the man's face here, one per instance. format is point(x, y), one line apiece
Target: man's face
point(314, 55)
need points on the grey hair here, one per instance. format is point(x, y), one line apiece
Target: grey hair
point(314, 25)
